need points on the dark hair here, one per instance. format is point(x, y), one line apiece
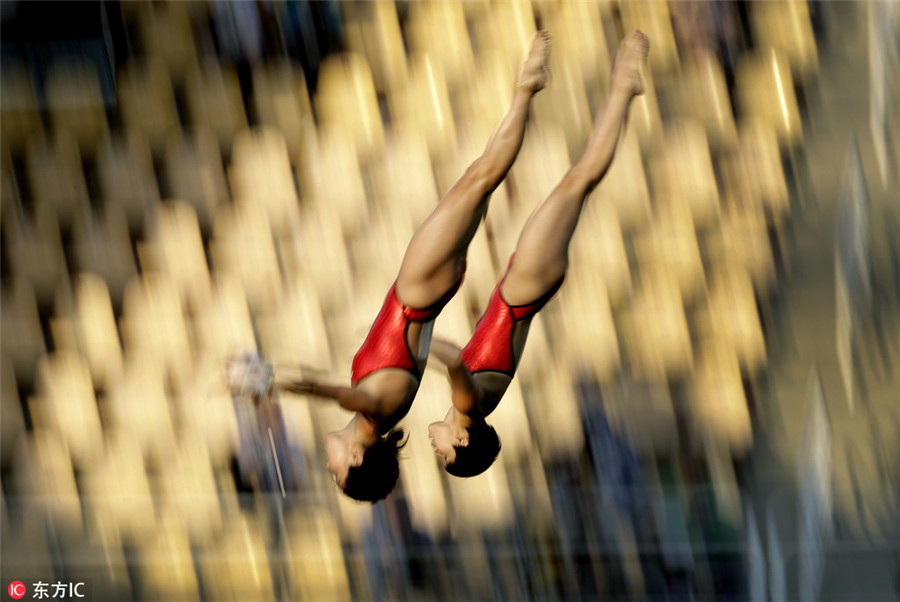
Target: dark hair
point(479, 454)
point(376, 477)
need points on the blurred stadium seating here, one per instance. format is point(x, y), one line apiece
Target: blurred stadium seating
point(709, 409)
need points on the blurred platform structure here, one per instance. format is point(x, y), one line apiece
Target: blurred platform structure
point(709, 410)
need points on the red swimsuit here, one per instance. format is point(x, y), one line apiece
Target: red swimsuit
point(387, 346)
point(491, 347)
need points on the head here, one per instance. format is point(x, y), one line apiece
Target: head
point(365, 473)
point(468, 449)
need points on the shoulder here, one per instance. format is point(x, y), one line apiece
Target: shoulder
point(391, 392)
point(492, 386)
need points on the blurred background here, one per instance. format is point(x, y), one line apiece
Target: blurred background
point(709, 410)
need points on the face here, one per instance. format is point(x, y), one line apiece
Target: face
point(342, 455)
point(445, 438)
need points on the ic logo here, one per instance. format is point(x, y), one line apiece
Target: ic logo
point(16, 590)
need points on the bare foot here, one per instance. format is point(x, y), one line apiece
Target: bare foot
point(631, 58)
point(536, 71)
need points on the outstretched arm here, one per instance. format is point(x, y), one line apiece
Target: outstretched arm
point(466, 394)
point(354, 400)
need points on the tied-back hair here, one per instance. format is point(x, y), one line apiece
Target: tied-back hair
point(479, 454)
point(376, 477)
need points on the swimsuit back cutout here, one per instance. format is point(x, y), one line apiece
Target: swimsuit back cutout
point(386, 345)
point(491, 346)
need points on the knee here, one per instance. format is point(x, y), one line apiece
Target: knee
point(482, 177)
point(578, 182)
point(539, 276)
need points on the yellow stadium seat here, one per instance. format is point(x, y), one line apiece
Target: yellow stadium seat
point(419, 470)
point(402, 180)
point(64, 403)
point(579, 39)
point(214, 100)
point(483, 503)
point(586, 330)
point(504, 27)
point(152, 322)
point(9, 192)
point(138, 408)
point(295, 331)
point(741, 237)
point(655, 330)
point(556, 412)
point(166, 563)
point(102, 246)
point(317, 569)
point(625, 185)
point(195, 173)
point(481, 272)
point(187, 489)
point(44, 474)
point(510, 420)
point(765, 90)
point(373, 29)
point(541, 164)
point(236, 567)
point(174, 246)
point(378, 256)
point(786, 26)
point(564, 103)
point(94, 325)
point(127, 180)
point(20, 115)
point(439, 30)
point(346, 98)
point(670, 244)
point(22, 340)
point(731, 315)
point(75, 101)
point(261, 177)
point(424, 104)
point(243, 245)
point(598, 252)
point(224, 328)
point(147, 102)
point(12, 422)
point(166, 34)
point(762, 162)
point(718, 405)
point(204, 410)
point(281, 100)
point(332, 181)
point(319, 252)
point(118, 490)
point(703, 95)
point(34, 251)
point(56, 177)
point(683, 174)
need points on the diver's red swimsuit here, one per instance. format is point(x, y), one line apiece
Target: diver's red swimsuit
point(491, 347)
point(387, 346)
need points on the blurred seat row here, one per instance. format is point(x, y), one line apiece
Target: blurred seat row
point(205, 213)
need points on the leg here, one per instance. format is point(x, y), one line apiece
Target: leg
point(434, 257)
point(542, 251)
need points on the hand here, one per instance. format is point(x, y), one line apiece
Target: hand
point(301, 387)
